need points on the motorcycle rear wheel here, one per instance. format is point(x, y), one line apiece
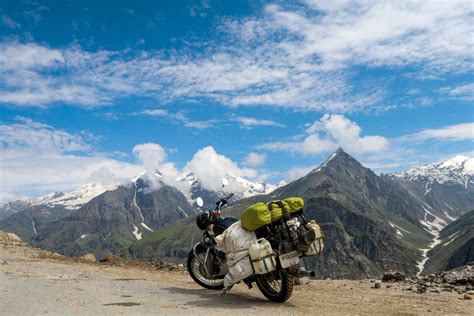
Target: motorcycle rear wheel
point(198, 273)
point(276, 286)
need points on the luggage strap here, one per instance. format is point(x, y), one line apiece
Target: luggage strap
point(280, 204)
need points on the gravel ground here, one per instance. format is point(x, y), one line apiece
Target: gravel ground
point(34, 282)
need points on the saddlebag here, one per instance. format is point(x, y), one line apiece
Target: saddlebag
point(261, 214)
point(317, 245)
point(262, 256)
point(235, 242)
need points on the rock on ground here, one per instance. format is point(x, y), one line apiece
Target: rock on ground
point(88, 257)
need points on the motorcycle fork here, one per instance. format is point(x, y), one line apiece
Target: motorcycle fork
point(206, 257)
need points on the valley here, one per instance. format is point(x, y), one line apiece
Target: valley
point(372, 223)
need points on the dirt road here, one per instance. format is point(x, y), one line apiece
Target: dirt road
point(34, 282)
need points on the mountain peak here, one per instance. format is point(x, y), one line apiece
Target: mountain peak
point(461, 162)
point(458, 169)
point(337, 158)
point(341, 155)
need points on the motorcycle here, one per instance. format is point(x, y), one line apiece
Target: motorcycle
point(207, 263)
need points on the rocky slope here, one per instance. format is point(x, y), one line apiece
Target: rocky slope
point(71, 223)
point(32, 214)
point(13, 207)
point(446, 188)
point(456, 247)
point(27, 217)
point(370, 223)
point(114, 219)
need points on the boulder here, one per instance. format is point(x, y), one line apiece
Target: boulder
point(89, 257)
point(393, 276)
point(301, 281)
point(4, 236)
point(110, 258)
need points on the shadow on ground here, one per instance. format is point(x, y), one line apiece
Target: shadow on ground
point(211, 299)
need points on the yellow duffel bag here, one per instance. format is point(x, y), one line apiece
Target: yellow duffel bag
point(261, 214)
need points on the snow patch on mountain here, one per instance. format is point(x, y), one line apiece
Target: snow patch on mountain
point(248, 188)
point(433, 226)
point(137, 233)
point(324, 164)
point(34, 225)
point(135, 201)
point(73, 200)
point(145, 226)
point(182, 211)
point(451, 238)
point(398, 230)
point(241, 187)
point(459, 169)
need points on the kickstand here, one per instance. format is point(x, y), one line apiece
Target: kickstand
point(225, 290)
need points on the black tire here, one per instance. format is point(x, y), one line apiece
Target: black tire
point(198, 273)
point(269, 291)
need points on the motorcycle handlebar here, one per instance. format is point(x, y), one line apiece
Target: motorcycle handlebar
point(222, 202)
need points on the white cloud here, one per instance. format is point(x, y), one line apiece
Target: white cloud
point(330, 132)
point(153, 157)
point(300, 57)
point(457, 132)
point(463, 92)
point(150, 154)
point(29, 134)
point(9, 22)
point(181, 118)
point(155, 112)
point(254, 159)
point(186, 121)
point(297, 172)
point(249, 122)
point(28, 172)
point(210, 167)
point(36, 159)
point(311, 145)
point(425, 146)
point(28, 56)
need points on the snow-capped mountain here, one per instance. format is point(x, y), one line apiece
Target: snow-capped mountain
point(459, 169)
point(241, 187)
point(446, 188)
point(66, 200)
point(73, 200)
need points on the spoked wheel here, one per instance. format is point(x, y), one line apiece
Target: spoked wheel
point(199, 275)
point(276, 286)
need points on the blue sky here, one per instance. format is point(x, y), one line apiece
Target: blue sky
point(267, 89)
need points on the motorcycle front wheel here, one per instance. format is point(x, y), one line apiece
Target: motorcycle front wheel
point(199, 275)
point(277, 286)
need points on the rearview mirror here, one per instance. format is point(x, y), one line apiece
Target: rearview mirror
point(199, 202)
point(224, 182)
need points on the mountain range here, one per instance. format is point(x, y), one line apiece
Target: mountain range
point(371, 223)
point(100, 219)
